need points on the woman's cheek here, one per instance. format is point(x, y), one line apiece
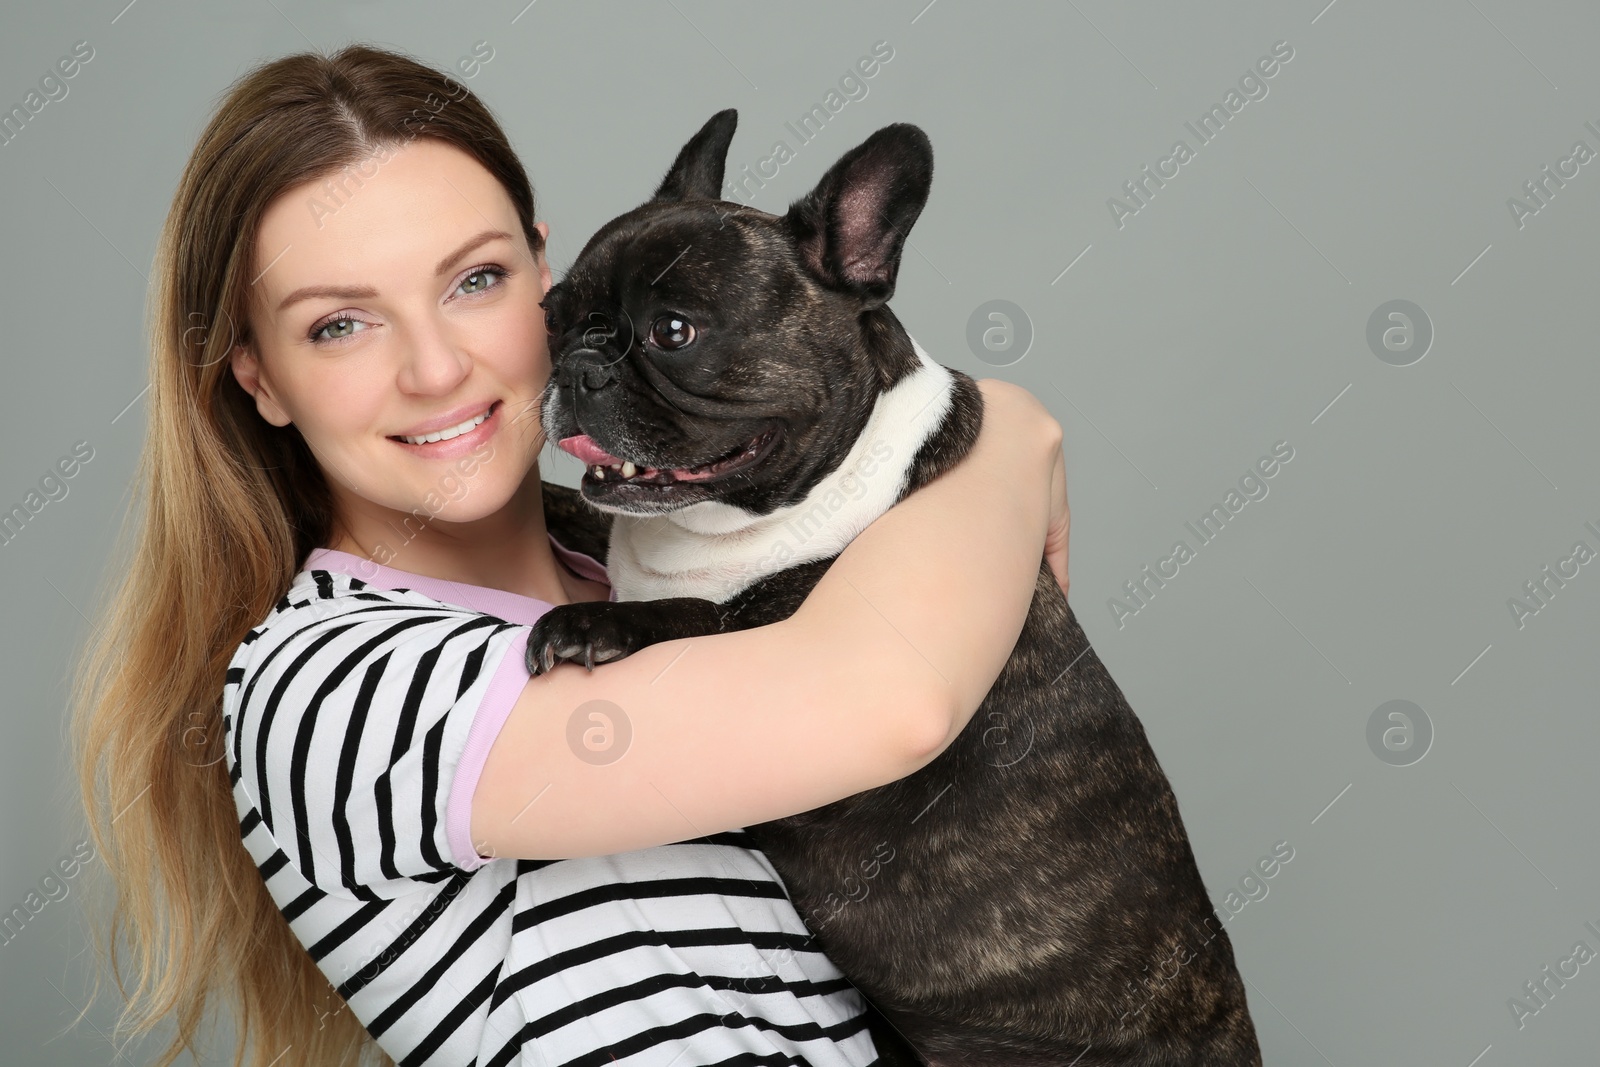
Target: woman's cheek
point(521, 345)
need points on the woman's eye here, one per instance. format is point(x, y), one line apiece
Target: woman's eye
point(671, 332)
point(479, 280)
point(336, 329)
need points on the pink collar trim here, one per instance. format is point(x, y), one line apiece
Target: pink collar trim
point(513, 607)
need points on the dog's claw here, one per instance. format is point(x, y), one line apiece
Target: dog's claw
point(541, 658)
point(590, 634)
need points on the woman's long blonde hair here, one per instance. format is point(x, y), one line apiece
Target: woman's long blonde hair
point(230, 506)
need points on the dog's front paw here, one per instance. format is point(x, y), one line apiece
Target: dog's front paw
point(588, 632)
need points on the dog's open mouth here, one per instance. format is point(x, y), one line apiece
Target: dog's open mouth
point(602, 467)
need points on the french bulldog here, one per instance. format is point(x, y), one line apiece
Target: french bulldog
point(745, 403)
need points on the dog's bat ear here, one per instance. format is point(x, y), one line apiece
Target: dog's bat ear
point(852, 227)
point(697, 172)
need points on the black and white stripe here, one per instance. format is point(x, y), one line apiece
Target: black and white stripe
point(347, 712)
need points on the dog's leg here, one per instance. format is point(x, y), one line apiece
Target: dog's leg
point(591, 632)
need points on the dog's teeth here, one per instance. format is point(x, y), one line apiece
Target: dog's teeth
point(628, 469)
point(599, 471)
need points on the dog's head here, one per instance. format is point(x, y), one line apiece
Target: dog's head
point(703, 350)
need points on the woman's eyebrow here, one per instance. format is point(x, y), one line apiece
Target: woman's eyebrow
point(341, 292)
point(365, 292)
point(472, 242)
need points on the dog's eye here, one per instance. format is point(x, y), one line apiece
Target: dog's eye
point(550, 322)
point(671, 332)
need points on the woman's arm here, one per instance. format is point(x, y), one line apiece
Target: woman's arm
point(870, 679)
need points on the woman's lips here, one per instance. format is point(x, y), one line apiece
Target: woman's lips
point(462, 444)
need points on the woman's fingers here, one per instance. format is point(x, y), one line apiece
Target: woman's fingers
point(1055, 542)
point(1020, 412)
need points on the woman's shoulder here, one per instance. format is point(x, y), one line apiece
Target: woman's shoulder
point(329, 611)
point(322, 586)
point(332, 634)
point(347, 714)
point(319, 596)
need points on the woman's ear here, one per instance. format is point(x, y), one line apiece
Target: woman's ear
point(247, 372)
point(541, 259)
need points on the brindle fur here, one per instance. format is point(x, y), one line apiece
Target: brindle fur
point(574, 523)
point(1030, 896)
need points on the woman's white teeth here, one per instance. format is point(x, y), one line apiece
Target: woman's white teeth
point(445, 435)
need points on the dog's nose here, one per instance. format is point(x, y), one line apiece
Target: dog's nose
point(588, 370)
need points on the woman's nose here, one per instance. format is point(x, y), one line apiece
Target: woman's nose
point(433, 363)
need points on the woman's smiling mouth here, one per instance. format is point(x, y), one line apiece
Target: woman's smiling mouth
point(456, 440)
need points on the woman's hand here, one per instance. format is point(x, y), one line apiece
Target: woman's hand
point(1055, 545)
point(1019, 412)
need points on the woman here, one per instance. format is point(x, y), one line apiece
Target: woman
point(320, 635)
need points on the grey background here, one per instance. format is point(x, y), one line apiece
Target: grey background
point(1226, 315)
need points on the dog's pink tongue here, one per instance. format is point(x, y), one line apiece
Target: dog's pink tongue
point(583, 446)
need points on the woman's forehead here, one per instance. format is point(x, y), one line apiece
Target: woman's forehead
point(390, 213)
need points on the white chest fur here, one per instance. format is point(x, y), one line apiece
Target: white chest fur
point(714, 550)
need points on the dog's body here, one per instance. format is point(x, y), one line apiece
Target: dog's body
point(1029, 897)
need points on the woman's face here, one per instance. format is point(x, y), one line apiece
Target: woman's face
point(402, 306)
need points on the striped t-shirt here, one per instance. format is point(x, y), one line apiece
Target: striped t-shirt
point(359, 715)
